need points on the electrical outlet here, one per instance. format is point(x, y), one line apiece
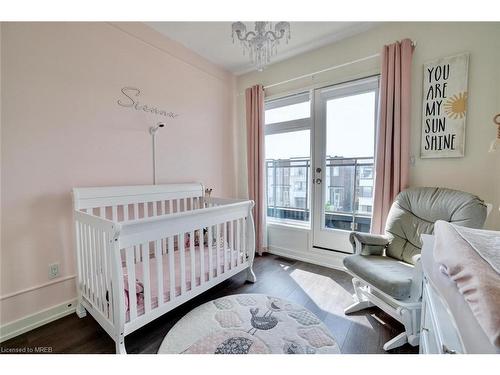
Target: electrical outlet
point(53, 270)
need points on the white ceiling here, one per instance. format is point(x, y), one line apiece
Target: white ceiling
point(213, 41)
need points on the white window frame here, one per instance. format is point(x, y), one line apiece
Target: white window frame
point(288, 127)
point(292, 125)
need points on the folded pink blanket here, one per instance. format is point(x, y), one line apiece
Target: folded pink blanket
point(139, 292)
point(464, 255)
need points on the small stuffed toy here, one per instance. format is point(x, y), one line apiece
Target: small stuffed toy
point(187, 238)
point(495, 144)
point(208, 193)
point(197, 236)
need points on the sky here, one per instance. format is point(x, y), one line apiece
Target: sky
point(350, 128)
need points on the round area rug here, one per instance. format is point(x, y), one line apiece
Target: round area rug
point(249, 324)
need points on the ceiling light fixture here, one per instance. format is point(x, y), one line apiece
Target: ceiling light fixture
point(262, 43)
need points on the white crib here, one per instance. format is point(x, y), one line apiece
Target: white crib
point(168, 242)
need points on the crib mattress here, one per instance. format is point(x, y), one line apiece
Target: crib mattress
point(224, 265)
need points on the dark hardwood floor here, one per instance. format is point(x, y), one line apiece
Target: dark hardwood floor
point(324, 291)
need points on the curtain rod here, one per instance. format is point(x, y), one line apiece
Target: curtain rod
point(318, 72)
point(322, 71)
point(413, 43)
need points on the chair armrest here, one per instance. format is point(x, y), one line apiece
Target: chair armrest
point(368, 244)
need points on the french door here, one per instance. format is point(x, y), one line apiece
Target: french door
point(342, 169)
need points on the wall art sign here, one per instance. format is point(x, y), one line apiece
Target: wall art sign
point(129, 100)
point(444, 107)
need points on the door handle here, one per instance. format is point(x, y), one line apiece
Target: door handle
point(317, 181)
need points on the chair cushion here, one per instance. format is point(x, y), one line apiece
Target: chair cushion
point(415, 211)
point(387, 274)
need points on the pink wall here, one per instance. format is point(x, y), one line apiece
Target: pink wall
point(62, 127)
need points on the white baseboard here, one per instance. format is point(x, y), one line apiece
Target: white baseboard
point(36, 320)
point(319, 257)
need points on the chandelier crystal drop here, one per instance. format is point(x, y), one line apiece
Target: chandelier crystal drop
point(262, 43)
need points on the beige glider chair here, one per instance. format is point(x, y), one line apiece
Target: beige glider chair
point(386, 268)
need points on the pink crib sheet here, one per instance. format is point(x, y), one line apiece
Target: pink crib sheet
point(166, 275)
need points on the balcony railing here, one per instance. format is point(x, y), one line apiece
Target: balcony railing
point(349, 191)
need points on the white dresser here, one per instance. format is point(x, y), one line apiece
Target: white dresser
point(438, 332)
point(448, 325)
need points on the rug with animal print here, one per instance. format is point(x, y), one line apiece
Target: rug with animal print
point(249, 324)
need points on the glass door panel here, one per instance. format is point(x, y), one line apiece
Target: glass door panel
point(344, 154)
point(288, 171)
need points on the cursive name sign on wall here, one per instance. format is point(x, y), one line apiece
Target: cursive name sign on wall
point(131, 93)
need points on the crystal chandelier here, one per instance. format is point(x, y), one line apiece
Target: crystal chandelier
point(261, 44)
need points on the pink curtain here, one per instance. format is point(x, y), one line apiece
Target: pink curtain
point(392, 158)
point(256, 161)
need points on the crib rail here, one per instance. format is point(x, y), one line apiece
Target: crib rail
point(126, 203)
point(119, 195)
point(95, 240)
point(134, 231)
point(193, 250)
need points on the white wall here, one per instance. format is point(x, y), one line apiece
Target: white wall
point(479, 171)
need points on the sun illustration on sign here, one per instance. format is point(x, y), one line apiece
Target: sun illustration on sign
point(456, 106)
